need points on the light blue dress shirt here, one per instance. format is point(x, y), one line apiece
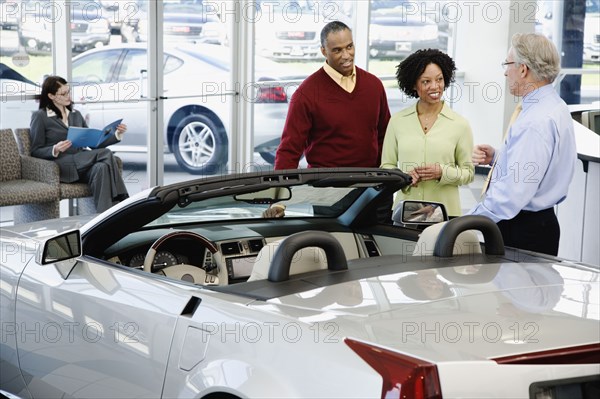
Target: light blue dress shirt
point(535, 167)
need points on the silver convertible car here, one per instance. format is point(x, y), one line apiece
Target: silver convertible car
point(290, 284)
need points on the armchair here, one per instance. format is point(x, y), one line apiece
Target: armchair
point(26, 183)
point(78, 194)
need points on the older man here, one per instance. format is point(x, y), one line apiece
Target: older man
point(532, 172)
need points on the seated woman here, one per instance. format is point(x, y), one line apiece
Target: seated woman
point(97, 167)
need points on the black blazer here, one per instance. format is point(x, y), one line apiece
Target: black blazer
point(46, 131)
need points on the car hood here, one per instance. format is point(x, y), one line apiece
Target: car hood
point(521, 308)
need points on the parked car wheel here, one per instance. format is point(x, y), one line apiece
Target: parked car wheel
point(199, 145)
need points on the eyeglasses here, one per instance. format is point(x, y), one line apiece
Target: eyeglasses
point(505, 64)
point(64, 94)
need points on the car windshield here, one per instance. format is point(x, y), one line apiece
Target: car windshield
point(305, 201)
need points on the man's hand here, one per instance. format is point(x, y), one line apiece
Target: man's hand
point(274, 211)
point(483, 154)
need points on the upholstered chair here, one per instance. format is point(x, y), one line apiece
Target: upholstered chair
point(26, 183)
point(79, 195)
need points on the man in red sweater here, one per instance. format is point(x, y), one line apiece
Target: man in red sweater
point(338, 116)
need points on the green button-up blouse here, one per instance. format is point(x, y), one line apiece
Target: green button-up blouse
point(449, 142)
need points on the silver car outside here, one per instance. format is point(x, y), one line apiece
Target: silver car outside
point(109, 84)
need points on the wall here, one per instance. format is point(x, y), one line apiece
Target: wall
point(483, 39)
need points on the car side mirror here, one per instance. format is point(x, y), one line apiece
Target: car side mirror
point(60, 248)
point(419, 213)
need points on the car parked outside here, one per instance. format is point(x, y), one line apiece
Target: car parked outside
point(291, 30)
point(114, 13)
point(544, 24)
point(9, 22)
point(591, 32)
point(398, 32)
point(89, 28)
point(16, 98)
point(9, 14)
point(182, 22)
point(110, 83)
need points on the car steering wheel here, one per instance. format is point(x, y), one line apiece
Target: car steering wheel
point(185, 272)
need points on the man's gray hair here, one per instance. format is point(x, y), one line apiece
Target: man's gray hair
point(538, 53)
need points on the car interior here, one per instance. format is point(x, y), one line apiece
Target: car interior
point(214, 233)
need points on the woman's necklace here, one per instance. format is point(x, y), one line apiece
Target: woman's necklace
point(428, 119)
point(425, 121)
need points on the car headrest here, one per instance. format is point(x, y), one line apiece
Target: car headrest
point(467, 242)
point(305, 260)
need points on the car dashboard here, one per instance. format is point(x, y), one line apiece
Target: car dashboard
point(238, 245)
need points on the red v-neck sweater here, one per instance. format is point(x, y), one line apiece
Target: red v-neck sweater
point(332, 127)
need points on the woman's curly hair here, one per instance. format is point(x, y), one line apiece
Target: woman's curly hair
point(413, 66)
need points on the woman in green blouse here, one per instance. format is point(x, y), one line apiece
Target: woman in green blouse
point(429, 140)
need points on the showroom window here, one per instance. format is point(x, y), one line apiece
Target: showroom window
point(288, 34)
point(110, 71)
point(574, 26)
point(26, 57)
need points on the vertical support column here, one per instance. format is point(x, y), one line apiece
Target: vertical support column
point(155, 141)
point(61, 39)
point(241, 134)
point(360, 34)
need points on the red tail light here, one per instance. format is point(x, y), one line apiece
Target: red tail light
point(275, 94)
point(404, 377)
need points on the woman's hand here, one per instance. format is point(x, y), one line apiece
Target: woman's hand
point(427, 172)
point(415, 178)
point(61, 146)
point(122, 128)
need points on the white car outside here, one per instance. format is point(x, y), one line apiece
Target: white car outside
point(110, 83)
point(291, 30)
point(16, 99)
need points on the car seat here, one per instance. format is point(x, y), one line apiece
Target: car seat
point(467, 242)
point(305, 260)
